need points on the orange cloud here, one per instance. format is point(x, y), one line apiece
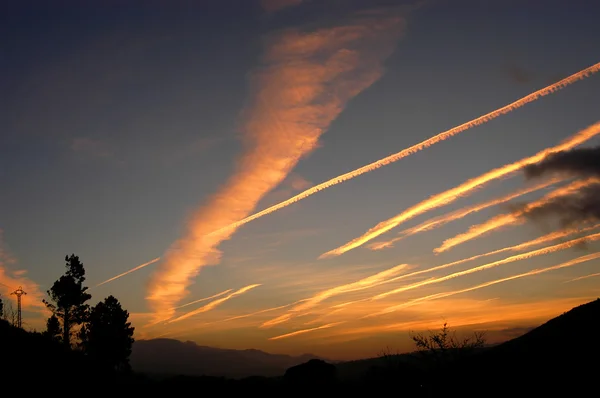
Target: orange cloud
point(306, 82)
point(361, 284)
point(538, 271)
point(310, 43)
point(303, 331)
point(204, 299)
point(214, 304)
point(11, 280)
point(585, 277)
point(463, 189)
point(514, 218)
point(458, 214)
point(487, 314)
point(515, 248)
point(518, 257)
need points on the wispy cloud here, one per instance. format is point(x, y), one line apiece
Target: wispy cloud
point(11, 279)
point(214, 304)
point(552, 236)
point(307, 79)
point(584, 277)
point(464, 189)
point(538, 271)
point(518, 257)
point(204, 299)
point(365, 283)
point(516, 217)
point(489, 315)
point(303, 331)
point(458, 214)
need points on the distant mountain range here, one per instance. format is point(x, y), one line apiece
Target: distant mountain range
point(169, 357)
point(562, 347)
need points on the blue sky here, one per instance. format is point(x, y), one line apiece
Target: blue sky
point(119, 122)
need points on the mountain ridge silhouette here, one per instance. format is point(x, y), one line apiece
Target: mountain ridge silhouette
point(164, 356)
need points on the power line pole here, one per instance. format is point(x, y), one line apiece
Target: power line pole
point(19, 292)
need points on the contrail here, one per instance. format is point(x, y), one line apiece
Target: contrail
point(584, 277)
point(566, 264)
point(518, 257)
point(460, 213)
point(365, 283)
point(463, 189)
point(521, 246)
point(304, 82)
point(261, 311)
point(298, 332)
point(204, 299)
point(422, 145)
point(213, 304)
point(130, 271)
point(514, 218)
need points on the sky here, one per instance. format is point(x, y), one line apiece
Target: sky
point(143, 135)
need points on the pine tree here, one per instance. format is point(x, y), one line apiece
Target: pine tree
point(68, 297)
point(108, 336)
point(53, 331)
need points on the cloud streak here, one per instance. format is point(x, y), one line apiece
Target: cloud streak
point(518, 257)
point(420, 146)
point(538, 271)
point(515, 248)
point(584, 277)
point(305, 82)
point(458, 214)
point(574, 209)
point(303, 331)
point(365, 283)
point(516, 217)
point(154, 260)
point(214, 304)
point(462, 190)
point(204, 299)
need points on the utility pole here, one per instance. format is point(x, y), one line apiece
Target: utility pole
point(19, 292)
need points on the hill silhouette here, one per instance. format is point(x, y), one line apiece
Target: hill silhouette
point(173, 357)
point(560, 356)
point(557, 358)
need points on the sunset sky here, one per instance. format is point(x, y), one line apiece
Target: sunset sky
point(144, 135)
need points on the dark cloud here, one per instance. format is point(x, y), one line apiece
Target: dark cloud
point(576, 162)
point(579, 208)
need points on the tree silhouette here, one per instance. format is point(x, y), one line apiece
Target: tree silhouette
point(107, 337)
point(68, 296)
point(9, 313)
point(1, 309)
point(443, 345)
point(53, 331)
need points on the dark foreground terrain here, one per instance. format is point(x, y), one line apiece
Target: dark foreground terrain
point(559, 358)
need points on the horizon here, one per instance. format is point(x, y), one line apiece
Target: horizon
point(270, 174)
